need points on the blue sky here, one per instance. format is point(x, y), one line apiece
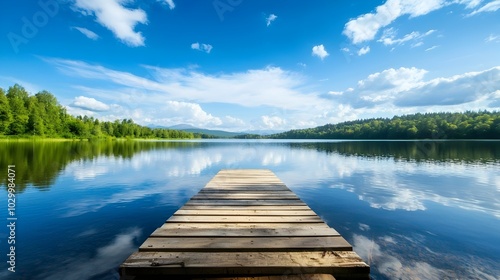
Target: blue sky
point(254, 64)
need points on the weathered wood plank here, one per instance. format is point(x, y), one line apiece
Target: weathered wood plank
point(244, 223)
point(264, 196)
point(244, 219)
point(311, 226)
point(232, 212)
point(337, 263)
point(244, 191)
point(243, 202)
point(244, 232)
point(247, 187)
point(247, 207)
point(245, 244)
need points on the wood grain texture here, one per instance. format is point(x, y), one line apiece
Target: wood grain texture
point(245, 244)
point(245, 223)
point(340, 264)
point(245, 232)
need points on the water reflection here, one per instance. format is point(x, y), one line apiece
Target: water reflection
point(418, 262)
point(39, 163)
point(97, 265)
point(427, 210)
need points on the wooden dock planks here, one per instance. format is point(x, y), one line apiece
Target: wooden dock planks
point(244, 223)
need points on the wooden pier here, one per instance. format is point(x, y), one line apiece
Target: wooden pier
point(245, 223)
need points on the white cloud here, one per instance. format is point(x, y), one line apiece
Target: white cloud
point(492, 6)
point(270, 19)
point(113, 15)
point(365, 27)
point(90, 34)
point(90, 104)
point(388, 37)
point(382, 87)
point(406, 87)
point(202, 47)
point(320, 51)
point(190, 113)
point(469, 3)
point(335, 92)
point(492, 38)
point(431, 48)
point(364, 51)
point(170, 3)
point(270, 86)
point(271, 122)
point(459, 89)
point(232, 123)
point(417, 44)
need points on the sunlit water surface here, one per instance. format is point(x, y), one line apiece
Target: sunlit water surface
point(412, 210)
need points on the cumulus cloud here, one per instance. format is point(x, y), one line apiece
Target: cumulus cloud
point(271, 122)
point(320, 51)
point(381, 87)
point(455, 90)
point(406, 87)
point(119, 19)
point(365, 27)
point(270, 19)
point(89, 104)
point(202, 47)
point(191, 113)
point(90, 34)
point(364, 51)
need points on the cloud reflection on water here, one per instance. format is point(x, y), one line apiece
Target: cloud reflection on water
point(106, 257)
point(385, 183)
point(384, 254)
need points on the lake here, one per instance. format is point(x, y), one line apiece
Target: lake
point(411, 209)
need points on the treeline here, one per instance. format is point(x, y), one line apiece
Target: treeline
point(468, 125)
point(22, 114)
point(34, 168)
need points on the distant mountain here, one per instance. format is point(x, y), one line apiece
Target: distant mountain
point(216, 133)
point(182, 127)
point(210, 132)
point(262, 132)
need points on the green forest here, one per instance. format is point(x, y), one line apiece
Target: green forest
point(41, 115)
point(468, 125)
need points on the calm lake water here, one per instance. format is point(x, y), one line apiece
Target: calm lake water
point(412, 210)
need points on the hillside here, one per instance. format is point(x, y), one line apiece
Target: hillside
point(205, 132)
point(25, 115)
point(467, 125)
